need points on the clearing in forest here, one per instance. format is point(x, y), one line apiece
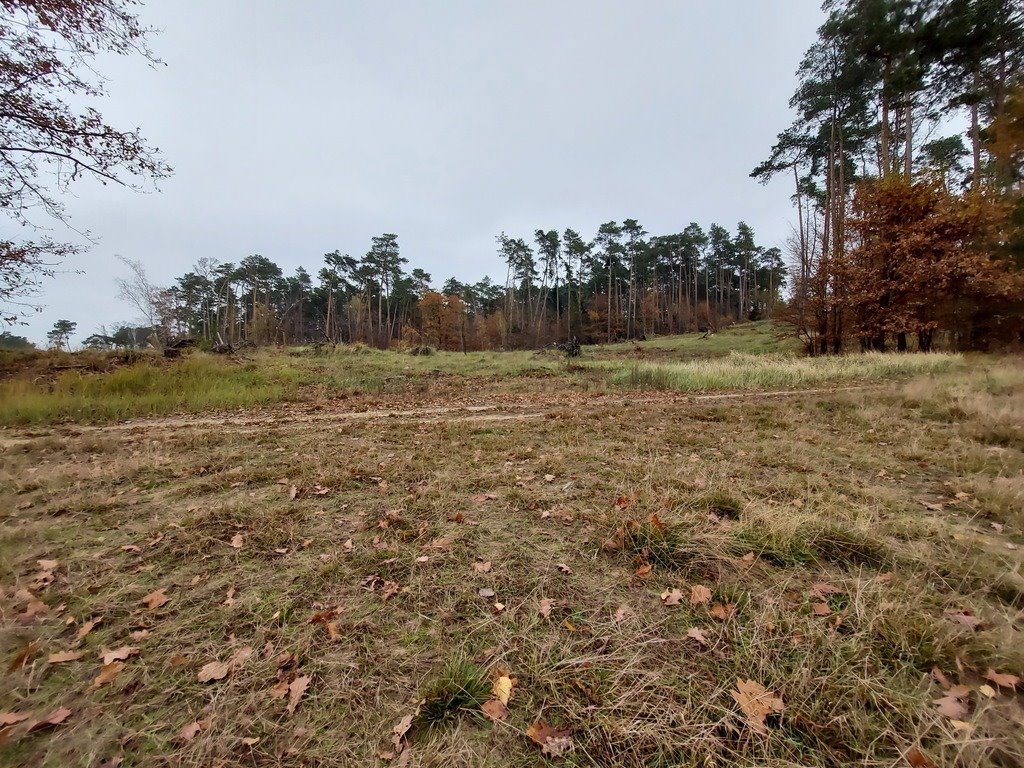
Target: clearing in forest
point(616, 563)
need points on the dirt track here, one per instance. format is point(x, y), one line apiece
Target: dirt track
point(326, 413)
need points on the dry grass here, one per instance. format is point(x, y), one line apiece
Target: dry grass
point(886, 496)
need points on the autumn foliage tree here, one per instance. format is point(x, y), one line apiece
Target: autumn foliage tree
point(921, 260)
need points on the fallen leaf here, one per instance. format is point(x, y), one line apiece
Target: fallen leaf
point(214, 670)
point(621, 613)
point(333, 631)
point(656, 523)
point(23, 656)
point(63, 656)
point(401, 728)
point(250, 740)
point(48, 565)
point(940, 677)
point(390, 589)
point(237, 541)
point(422, 558)
point(553, 742)
point(108, 673)
point(279, 691)
point(499, 607)
point(699, 595)
point(643, 570)
point(966, 619)
point(11, 718)
point(486, 592)
point(190, 731)
point(502, 689)
point(347, 546)
point(749, 557)
point(695, 633)
point(546, 604)
point(494, 710)
point(56, 717)
point(85, 629)
point(722, 612)
point(987, 690)
point(918, 759)
point(671, 597)
point(757, 703)
point(297, 687)
point(951, 707)
point(155, 599)
point(549, 478)
point(229, 598)
point(563, 568)
point(1002, 679)
point(119, 654)
point(821, 609)
point(483, 567)
point(822, 590)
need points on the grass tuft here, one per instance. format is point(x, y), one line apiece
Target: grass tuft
point(460, 688)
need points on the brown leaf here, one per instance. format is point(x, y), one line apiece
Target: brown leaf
point(656, 523)
point(118, 654)
point(757, 703)
point(695, 633)
point(749, 557)
point(190, 731)
point(563, 568)
point(23, 656)
point(671, 597)
point(699, 595)
point(822, 590)
point(214, 670)
point(229, 598)
point(940, 678)
point(553, 742)
point(108, 673)
point(483, 567)
point(722, 612)
point(85, 629)
point(12, 718)
point(279, 691)
point(155, 599)
point(1002, 679)
point(486, 592)
point(621, 613)
point(401, 728)
point(966, 619)
point(296, 688)
point(821, 609)
point(951, 707)
point(56, 717)
point(333, 631)
point(62, 656)
point(643, 570)
point(494, 710)
point(237, 540)
point(546, 603)
point(48, 565)
point(390, 589)
point(919, 759)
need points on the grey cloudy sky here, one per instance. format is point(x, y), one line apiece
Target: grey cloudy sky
point(298, 128)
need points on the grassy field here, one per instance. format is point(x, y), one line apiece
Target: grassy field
point(506, 561)
point(750, 356)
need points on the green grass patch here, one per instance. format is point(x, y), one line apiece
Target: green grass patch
point(740, 371)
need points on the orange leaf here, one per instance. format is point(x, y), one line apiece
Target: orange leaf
point(757, 703)
point(155, 599)
point(108, 673)
point(552, 741)
point(699, 595)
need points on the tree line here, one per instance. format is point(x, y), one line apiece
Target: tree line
point(904, 234)
point(620, 284)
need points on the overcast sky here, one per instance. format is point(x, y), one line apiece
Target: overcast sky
point(299, 128)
